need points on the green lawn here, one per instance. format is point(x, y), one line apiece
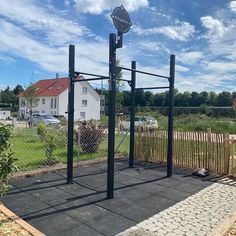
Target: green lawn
point(30, 150)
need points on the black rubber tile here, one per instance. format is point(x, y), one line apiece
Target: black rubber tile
point(156, 203)
point(61, 224)
point(22, 203)
point(110, 223)
point(82, 208)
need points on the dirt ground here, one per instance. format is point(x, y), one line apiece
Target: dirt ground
point(10, 228)
point(232, 230)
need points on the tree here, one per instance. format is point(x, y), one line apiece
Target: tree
point(195, 100)
point(126, 98)
point(212, 98)
point(18, 89)
point(31, 99)
point(224, 99)
point(119, 86)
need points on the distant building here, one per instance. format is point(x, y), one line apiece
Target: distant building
point(5, 113)
point(52, 97)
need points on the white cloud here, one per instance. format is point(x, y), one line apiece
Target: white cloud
point(34, 17)
point(190, 57)
point(7, 59)
point(216, 29)
point(153, 46)
point(17, 42)
point(180, 68)
point(232, 6)
point(222, 67)
point(182, 31)
point(98, 6)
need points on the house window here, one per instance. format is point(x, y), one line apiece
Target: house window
point(55, 103)
point(42, 112)
point(82, 115)
point(43, 100)
point(51, 103)
point(84, 103)
point(84, 90)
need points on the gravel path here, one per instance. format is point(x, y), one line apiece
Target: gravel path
point(197, 215)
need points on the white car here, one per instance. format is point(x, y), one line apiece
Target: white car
point(144, 121)
point(46, 119)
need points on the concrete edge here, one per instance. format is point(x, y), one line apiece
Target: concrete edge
point(222, 228)
point(12, 216)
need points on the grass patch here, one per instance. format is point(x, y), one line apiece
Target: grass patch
point(30, 150)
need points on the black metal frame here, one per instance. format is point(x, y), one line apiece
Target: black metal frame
point(132, 84)
point(70, 109)
point(115, 43)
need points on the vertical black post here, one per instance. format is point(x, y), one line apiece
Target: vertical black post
point(112, 114)
point(132, 115)
point(170, 118)
point(70, 111)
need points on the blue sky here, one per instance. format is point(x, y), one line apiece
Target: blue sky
point(35, 36)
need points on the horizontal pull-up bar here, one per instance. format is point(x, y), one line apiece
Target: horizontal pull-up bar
point(126, 80)
point(166, 87)
point(83, 73)
point(90, 79)
point(143, 72)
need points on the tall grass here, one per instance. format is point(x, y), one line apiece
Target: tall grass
point(195, 122)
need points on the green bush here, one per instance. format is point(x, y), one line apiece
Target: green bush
point(42, 130)
point(7, 166)
point(52, 138)
point(90, 137)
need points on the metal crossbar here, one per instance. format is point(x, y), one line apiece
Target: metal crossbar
point(165, 87)
point(142, 72)
point(90, 79)
point(84, 73)
point(126, 80)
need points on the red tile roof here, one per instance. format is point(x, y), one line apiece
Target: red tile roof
point(50, 87)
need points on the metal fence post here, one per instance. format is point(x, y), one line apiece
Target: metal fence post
point(132, 115)
point(70, 115)
point(112, 113)
point(170, 117)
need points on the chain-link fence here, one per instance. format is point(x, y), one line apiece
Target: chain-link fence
point(46, 145)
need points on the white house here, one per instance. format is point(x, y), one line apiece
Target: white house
point(5, 113)
point(53, 99)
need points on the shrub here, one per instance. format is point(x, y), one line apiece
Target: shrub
point(52, 138)
point(90, 137)
point(42, 131)
point(7, 166)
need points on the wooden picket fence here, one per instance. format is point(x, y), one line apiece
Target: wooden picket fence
point(212, 151)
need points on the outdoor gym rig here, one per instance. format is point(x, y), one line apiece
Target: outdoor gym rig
point(114, 44)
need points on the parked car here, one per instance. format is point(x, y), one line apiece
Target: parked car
point(144, 121)
point(46, 119)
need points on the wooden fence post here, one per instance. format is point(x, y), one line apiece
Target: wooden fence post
point(139, 143)
point(233, 151)
point(226, 153)
point(209, 149)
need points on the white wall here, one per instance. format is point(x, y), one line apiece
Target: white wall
point(40, 108)
point(4, 114)
point(46, 107)
point(91, 111)
point(62, 105)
